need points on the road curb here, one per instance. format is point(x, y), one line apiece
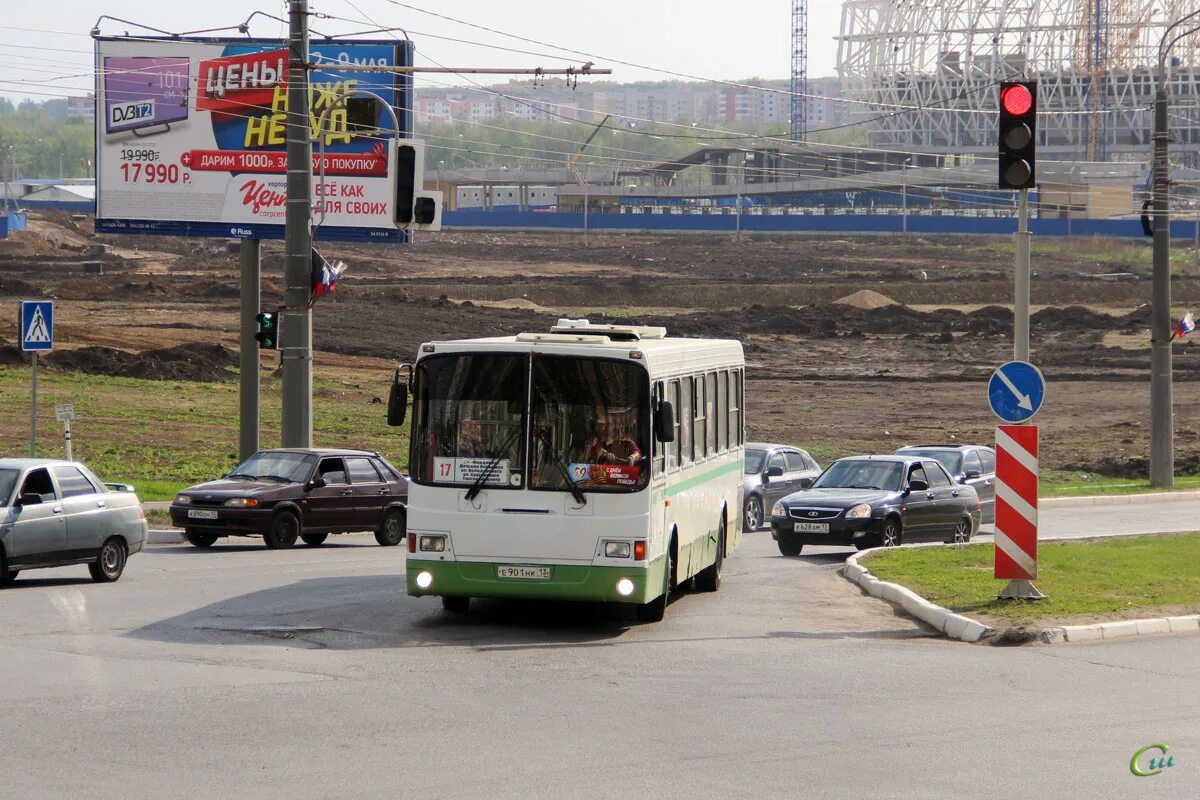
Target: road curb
point(1118, 499)
point(965, 629)
point(166, 537)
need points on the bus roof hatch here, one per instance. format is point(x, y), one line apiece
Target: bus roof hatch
point(616, 333)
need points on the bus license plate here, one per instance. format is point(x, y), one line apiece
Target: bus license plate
point(199, 513)
point(524, 573)
point(811, 527)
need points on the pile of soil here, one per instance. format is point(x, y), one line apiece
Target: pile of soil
point(188, 362)
point(15, 287)
point(866, 299)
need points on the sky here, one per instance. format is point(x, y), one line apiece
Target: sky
point(45, 49)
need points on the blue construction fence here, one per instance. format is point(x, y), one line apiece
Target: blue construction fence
point(11, 222)
point(796, 223)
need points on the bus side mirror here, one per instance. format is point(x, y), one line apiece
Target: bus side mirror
point(398, 397)
point(664, 422)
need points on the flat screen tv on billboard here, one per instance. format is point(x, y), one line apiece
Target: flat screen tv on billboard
point(191, 137)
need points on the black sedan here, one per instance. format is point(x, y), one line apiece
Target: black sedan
point(877, 501)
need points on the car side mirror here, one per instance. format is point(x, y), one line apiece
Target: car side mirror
point(774, 472)
point(806, 483)
point(918, 485)
point(398, 396)
point(30, 499)
point(971, 474)
point(664, 421)
point(317, 483)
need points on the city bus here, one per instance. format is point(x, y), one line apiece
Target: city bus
point(591, 462)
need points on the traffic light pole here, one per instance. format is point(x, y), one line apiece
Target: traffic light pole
point(296, 317)
point(1021, 282)
point(249, 356)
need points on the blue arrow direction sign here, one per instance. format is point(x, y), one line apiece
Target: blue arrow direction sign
point(37, 325)
point(1016, 391)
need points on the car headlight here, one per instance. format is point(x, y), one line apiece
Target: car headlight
point(860, 511)
point(242, 502)
point(182, 500)
point(777, 510)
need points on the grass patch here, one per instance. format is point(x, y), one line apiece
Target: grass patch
point(159, 520)
point(1074, 484)
point(1119, 578)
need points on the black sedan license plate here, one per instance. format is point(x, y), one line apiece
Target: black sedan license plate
point(811, 527)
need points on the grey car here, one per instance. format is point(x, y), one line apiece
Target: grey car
point(971, 465)
point(773, 471)
point(57, 513)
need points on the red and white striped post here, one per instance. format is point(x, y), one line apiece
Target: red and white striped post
point(1017, 509)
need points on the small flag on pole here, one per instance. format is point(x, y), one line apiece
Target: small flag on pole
point(1186, 325)
point(325, 275)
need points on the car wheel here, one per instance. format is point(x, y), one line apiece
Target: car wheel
point(456, 605)
point(788, 545)
point(284, 530)
point(110, 562)
point(752, 514)
point(7, 575)
point(314, 539)
point(200, 539)
point(962, 532)
point(656, 609)
point(393, 529)
point(709, 579)
point(891, 535)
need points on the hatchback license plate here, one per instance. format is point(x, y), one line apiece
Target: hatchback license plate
point(811, 527)
point(525, 573)
point(200, 513)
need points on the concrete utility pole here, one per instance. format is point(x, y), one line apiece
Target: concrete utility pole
point(1021, 282)
point(248, 417)
point(1162, 420)
point(296, 319)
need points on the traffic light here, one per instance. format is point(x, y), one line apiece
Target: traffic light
point(416, 209)
point(268, 330)
point(1018, 134)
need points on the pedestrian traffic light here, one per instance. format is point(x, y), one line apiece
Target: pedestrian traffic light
point(268, 330)
point(1018, 134)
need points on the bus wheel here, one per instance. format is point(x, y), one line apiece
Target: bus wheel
point(456, 605)
point(709, 579)
point(656, 609)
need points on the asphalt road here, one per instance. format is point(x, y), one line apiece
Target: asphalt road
point(248, 673)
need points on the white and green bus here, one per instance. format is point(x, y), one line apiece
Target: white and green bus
point(593, 462)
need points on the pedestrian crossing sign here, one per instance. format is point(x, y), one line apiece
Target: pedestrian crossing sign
point(37, 325)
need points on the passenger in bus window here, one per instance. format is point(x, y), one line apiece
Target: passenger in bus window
point(470, 440)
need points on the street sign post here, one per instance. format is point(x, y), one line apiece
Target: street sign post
point(64, 413)
point(1016, 391)
point(37, 335)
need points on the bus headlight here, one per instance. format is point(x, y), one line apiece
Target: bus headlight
point(860, 511)
point(424, 580)
point(435, 544)
point(625, 587)
point(616, 549)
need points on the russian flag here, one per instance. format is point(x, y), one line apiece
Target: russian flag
point(325, 276)
point(1186, 325)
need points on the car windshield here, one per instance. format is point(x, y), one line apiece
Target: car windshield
point(277, 466)
point(8, 480)
point(861, 474)
point(754, 461)
point(948, 458)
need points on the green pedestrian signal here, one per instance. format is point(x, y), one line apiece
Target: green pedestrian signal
point(268, 330)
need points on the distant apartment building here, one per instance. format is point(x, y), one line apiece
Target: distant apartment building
point(82, 107)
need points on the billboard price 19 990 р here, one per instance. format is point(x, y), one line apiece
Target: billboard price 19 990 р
point(191, 137)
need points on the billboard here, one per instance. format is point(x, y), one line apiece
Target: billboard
point(191, 137)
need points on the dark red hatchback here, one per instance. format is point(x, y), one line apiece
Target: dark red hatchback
point(288, 494)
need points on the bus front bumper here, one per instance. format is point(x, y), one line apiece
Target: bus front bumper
point(566, 581)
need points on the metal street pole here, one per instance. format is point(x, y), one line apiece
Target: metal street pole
point(296, 319)
point(1162, 423)
point(1021, 283)
point(33, 416)
point(248, 415)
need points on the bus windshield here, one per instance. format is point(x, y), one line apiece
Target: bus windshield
point(468, 417)
point(591, 427)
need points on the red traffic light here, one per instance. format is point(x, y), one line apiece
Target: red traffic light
point(1016, 99)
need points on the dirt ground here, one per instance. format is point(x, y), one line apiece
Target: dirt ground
point(854, 344)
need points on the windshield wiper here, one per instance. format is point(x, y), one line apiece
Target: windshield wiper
point(576, 492)
point(491, 465)
point(245, 475)
point(854, 486)
point(279, 478)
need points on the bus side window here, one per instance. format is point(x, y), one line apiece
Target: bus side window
point(700, 431)
point(685, 421)
point(711, 413)
point(674, 446)
point(723, 410)
point(659, 447)
point(735, 408)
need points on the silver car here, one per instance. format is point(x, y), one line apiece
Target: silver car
point(57, 513)
point(772, 472)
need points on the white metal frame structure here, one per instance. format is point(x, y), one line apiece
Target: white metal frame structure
point(937, 63)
